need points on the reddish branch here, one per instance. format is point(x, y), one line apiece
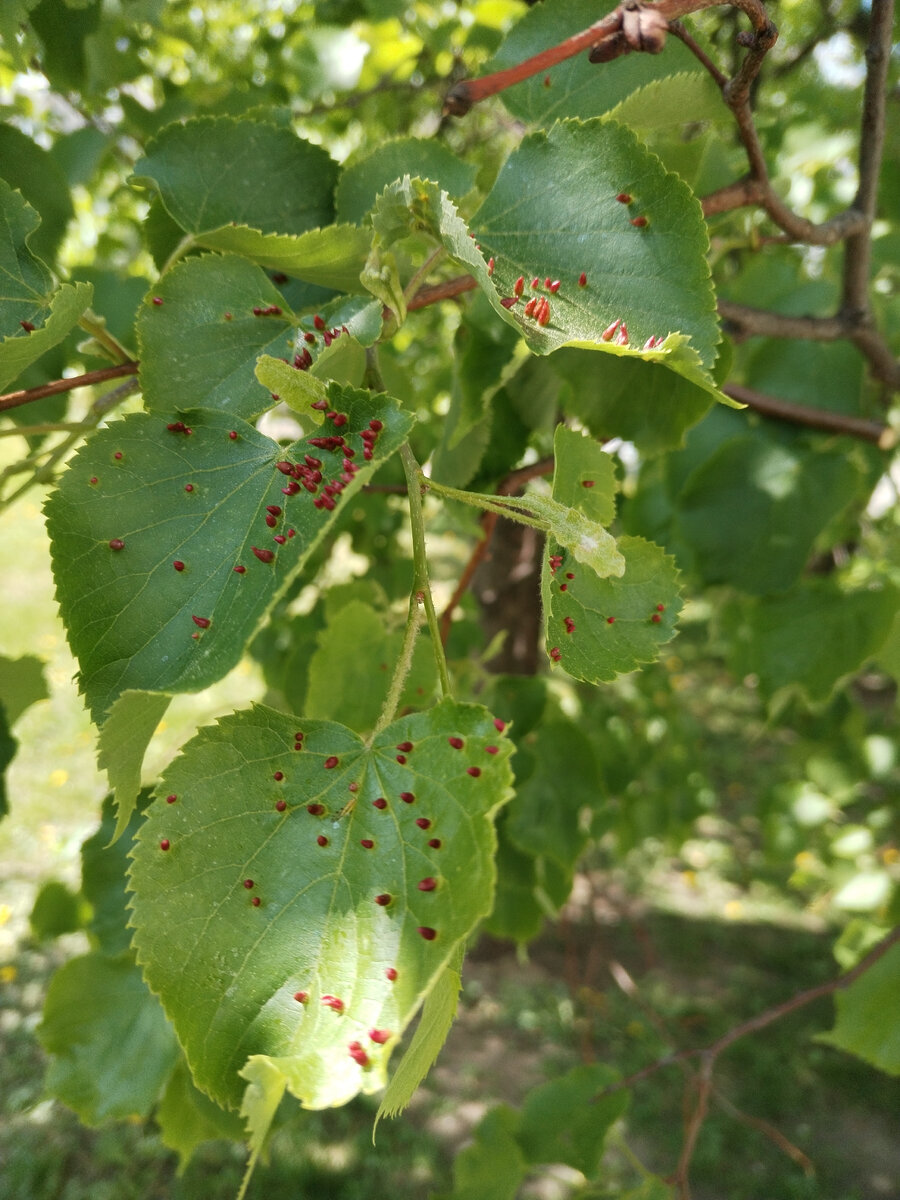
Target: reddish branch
point(27, 395)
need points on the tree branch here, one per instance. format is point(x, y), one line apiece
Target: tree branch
point(857, 251)
point(761, 1020)
point(884, 437)
point(58, 386)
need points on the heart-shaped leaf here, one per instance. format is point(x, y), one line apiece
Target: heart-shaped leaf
point(171, 541)
point(303, 891)
point(598, 628)
point(212, 172)
point(600, 624)
point(201, 330)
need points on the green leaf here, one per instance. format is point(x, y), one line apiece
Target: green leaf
point(494, 1164)
point(588, 542)
point(866, 1023)
point(128, 611)
point(364, 178)
point(229, 972)
point(26, 280)
point(655, 279)
point(578, 88)
point(199, 338)
point(212, 171)
point(516, 914)
point(600, 628)
point(33, 171)
point(22, 684)
point(357, 698)
point(103, 870)
point(332, 257)
point(112, 1048)
point(558, 779)
point(639, 401)
point(672, 100)
point(563, 1121)
point(56, 910)
point(810, 638)
point(746, 488)
point(8, 747)
point(438, 1015)
point(186, 1118)
point(584, 475)
point(122, 744)
point(55, 321)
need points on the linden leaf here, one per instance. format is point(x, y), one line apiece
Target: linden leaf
point(306, 891)
point(201, 331)
point(170, 542)
point(600, 628)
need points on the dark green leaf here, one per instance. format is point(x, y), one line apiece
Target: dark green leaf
point(131, 615)
point(199, 338)
point(56, 911)
point(365, 177)
point(562, 1121)
point(212, 172)
point(111, 1046)
point(866, 1022)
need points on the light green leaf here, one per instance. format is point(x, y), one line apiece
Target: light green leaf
point(361, 905)
point(577, 87)
point(332, 257)
point(672, 100)
point(22, 684)
point(298, 389)
point(212, 171)
point(111, 1046)
point(866, 1023)
point(189, 492)
point(588, 542)
point(584, 475)
point(54, 322)
point(122, 743)
point(186, 1118)
point(438, 1015)
point(600, 628)
point(365, 177)
point(199, 338)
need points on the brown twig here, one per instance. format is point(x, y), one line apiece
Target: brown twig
point(436, 292)
point(884, 437)
point(27, 395)
point(702, 1082)
point(761, 1020)
point(857, 251)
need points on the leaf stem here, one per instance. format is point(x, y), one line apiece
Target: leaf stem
point(421, 589)
point(180, 250)
point(514, 510)
point(91, 323)
point(423, 272)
